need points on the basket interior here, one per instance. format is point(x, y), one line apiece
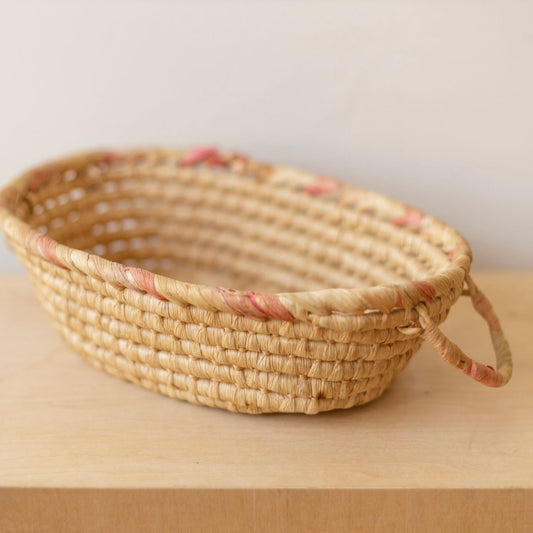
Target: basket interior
point(209, 225)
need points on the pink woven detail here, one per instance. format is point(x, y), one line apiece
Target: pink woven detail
point(39, 178)
point(461, 245)
point(425, 289)
point(239, 302)
point(107, 158)
point(46, 173)
point(47, 248)
point(484, 374)
point(323, 185)
point(410, 217)
point(216, 160)
point(255, 304)
point(209, 155)
point(270, 305)
point(144, 280)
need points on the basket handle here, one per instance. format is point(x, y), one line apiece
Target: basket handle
point(451, 353)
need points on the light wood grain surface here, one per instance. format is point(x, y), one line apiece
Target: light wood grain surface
point(64, 425)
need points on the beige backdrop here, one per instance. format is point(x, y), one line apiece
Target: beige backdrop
point(427, 101)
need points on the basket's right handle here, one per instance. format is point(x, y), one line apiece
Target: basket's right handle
point(451, 353)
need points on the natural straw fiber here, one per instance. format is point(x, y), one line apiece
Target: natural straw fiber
point(225, 282)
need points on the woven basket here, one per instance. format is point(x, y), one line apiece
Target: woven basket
point(225, 282)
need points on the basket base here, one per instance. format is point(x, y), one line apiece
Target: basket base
point(222, 394)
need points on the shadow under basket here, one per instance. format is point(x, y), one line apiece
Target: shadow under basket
point(255, 288)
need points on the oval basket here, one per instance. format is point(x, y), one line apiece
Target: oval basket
point(225, 282)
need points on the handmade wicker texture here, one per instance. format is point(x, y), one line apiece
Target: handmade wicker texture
point(297, 293)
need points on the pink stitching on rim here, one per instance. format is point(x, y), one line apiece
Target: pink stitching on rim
point(145, 280)
point(323, 185)
point(425, 289)
point(270, 305)
point(410, 217)
point(208, 154)
point(48, 247)
point(254, 304)
point(107, 158)
point(461, 245)
point(239, 302)
point(39, 178)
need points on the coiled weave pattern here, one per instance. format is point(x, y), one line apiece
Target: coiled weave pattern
point(298, 293)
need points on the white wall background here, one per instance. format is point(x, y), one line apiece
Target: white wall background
point(427, 101)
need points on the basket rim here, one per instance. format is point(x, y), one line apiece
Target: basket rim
point(287, 306)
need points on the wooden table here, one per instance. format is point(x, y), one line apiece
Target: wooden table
point(82, 451)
